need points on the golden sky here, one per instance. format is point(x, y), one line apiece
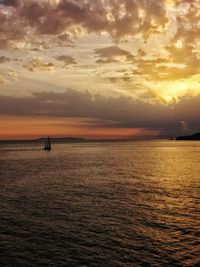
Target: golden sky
point(99, 68)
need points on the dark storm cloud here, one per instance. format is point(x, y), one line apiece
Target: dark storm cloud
point(121, 111)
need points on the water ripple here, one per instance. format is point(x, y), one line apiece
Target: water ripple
point(100, 204)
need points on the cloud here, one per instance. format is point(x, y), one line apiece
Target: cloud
point(67, 60)
point(113, 54)
point(183, 47)
point(118, 18)
point(9, 2)
point(123, 112)
point(4, 59)
point(2, 80)
point(13, 75)
point(37, 64)
point(180, 61)
point(11, 29)
point(34, 26)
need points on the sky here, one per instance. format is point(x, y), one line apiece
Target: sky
point(99, 68)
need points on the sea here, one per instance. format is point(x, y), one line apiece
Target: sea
point(101, 204)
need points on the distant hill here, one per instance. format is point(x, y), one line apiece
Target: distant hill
point(61, 139)
point(195, 136)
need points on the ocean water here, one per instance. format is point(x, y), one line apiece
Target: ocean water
point(100, 204)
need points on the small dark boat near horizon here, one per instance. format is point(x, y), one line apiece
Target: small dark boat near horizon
point(47, 145)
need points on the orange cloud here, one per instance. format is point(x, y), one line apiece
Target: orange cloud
point(34, 127)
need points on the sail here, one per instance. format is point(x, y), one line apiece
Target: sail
point(47, 144)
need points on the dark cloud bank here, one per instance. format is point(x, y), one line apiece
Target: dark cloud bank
point(121, 112)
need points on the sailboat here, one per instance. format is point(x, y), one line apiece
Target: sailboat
point(47, 145)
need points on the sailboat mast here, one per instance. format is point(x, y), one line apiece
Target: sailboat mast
point(49, 143)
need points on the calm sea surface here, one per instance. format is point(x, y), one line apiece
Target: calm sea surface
point(100, 204)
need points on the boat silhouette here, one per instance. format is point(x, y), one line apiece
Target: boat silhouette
point(47, 144)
